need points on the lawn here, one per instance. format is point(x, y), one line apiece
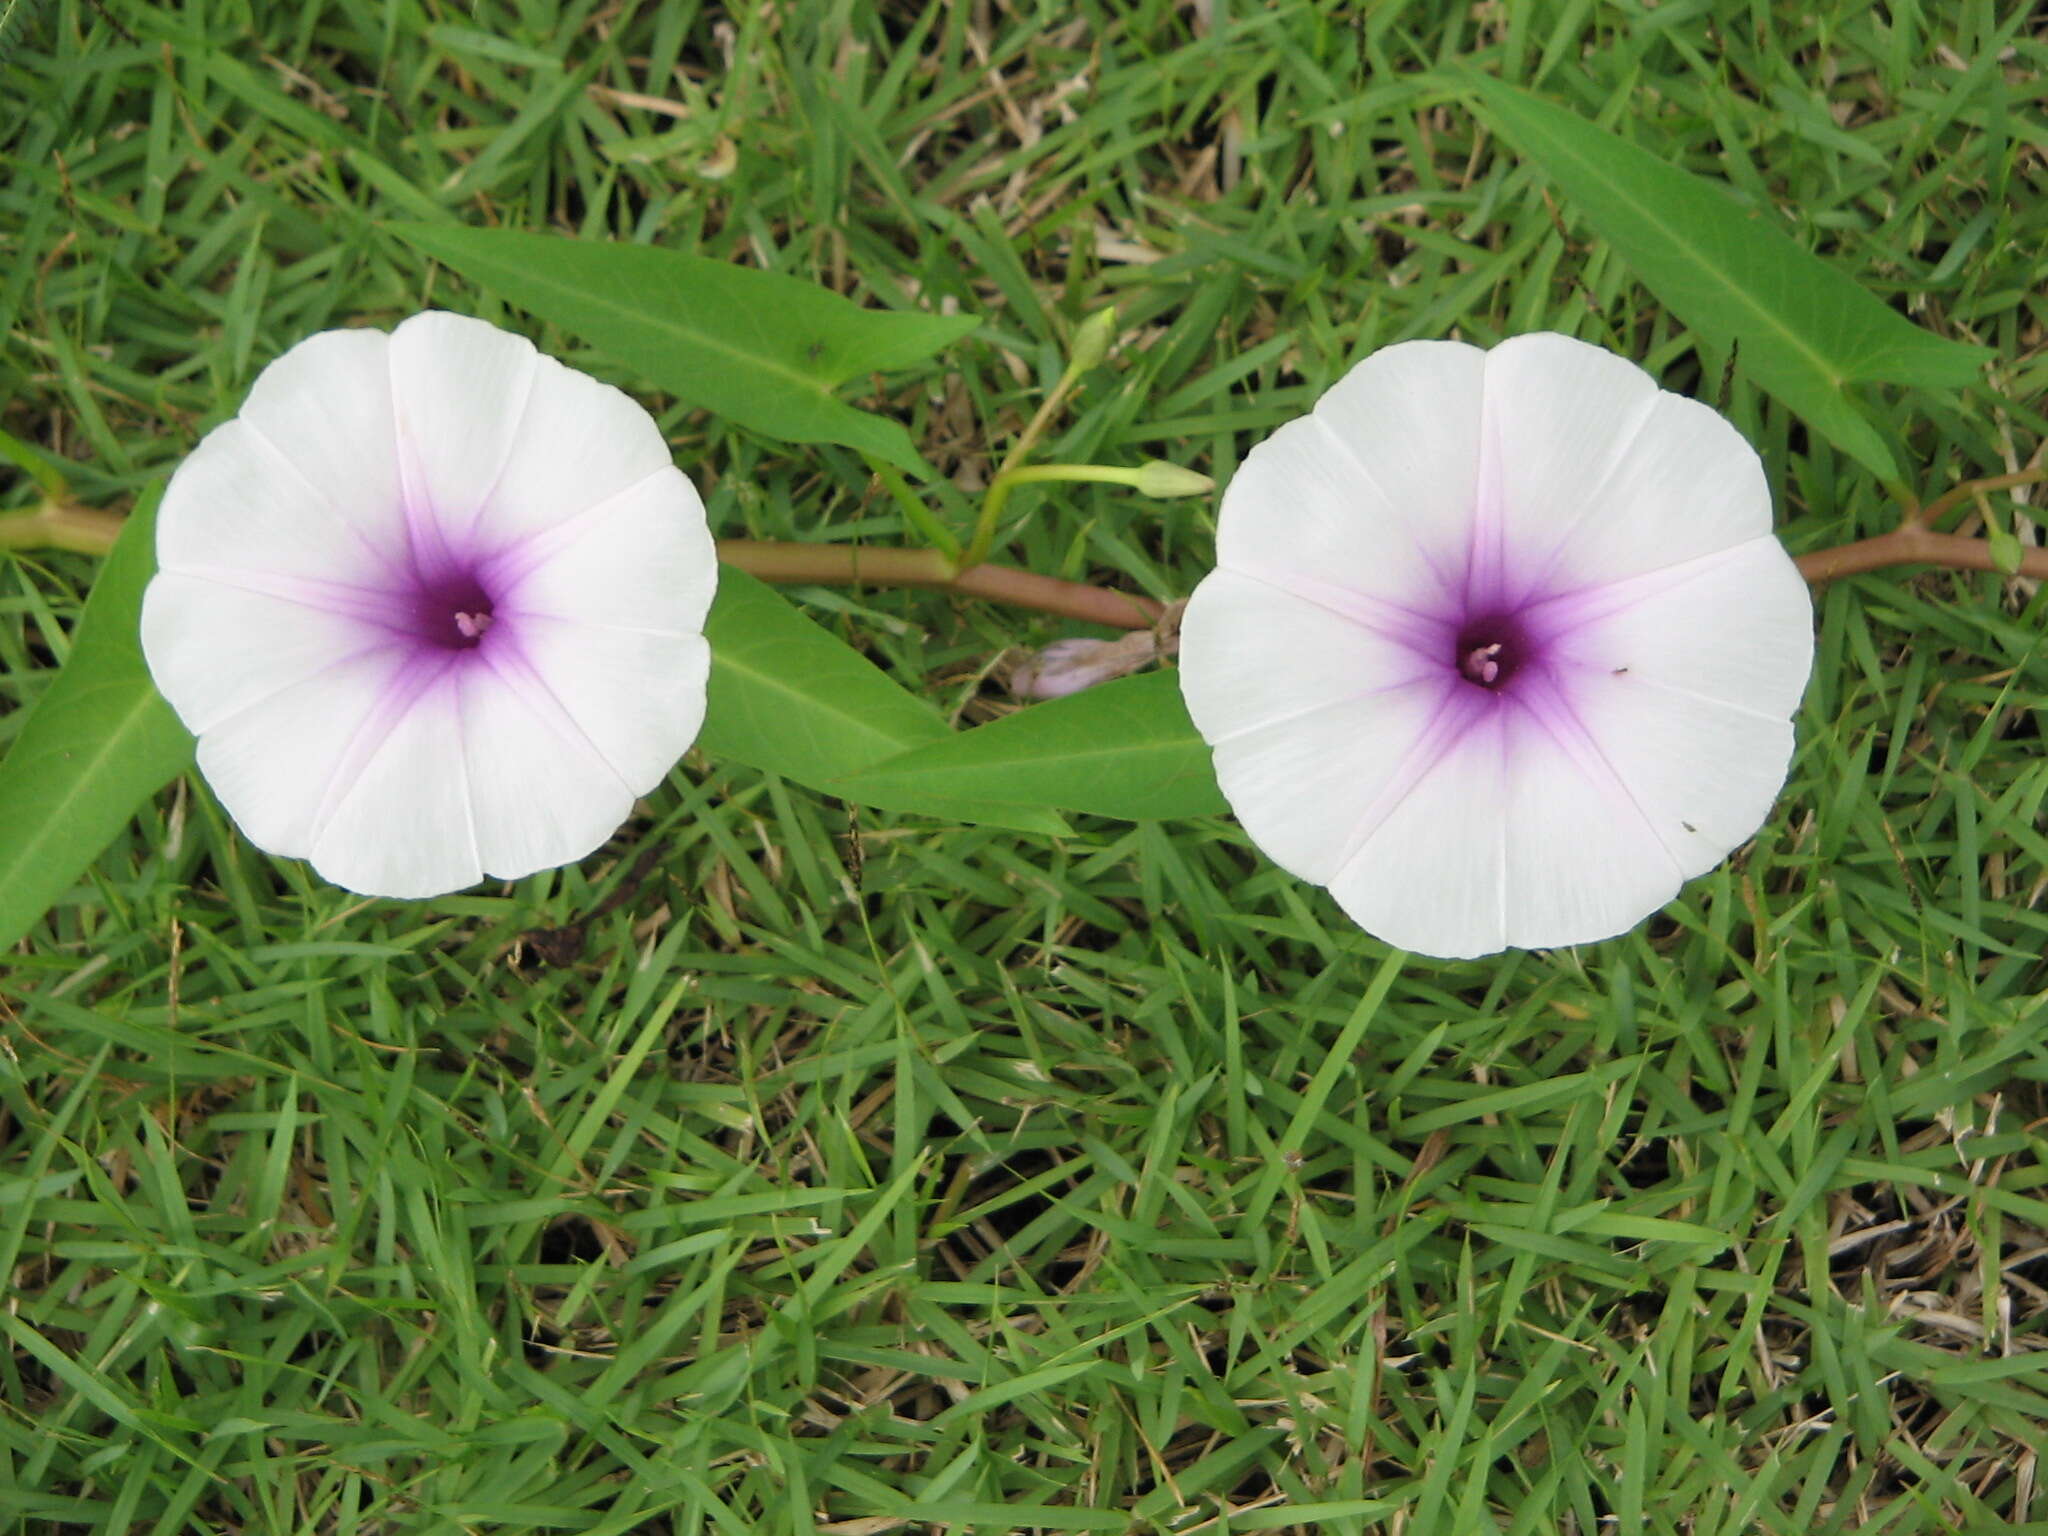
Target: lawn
point(791, 1166)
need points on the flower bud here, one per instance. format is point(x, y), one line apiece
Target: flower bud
point(1068, 666)
point(1156, 477)
point(1092, 340)
point(2006, 552)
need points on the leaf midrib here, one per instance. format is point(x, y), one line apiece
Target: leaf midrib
point(1088, 754)
point(618, 309)
point(79, 787)
point(859, 721)
point(1743, 297)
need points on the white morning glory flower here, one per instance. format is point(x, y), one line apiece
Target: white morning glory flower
point(1500, 647)
point(433, 605)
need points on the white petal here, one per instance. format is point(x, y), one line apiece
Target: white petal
point(540, 793)
point(325, 406)
point(1428, 874)
point(1735, 627)
point(1255, 654)
point(272, 764)
point(642, 560)
point(1373, 492)
point(1603, 475)
point(1299, 507)
point(216, 650)
point(460, 389)
point(238, 503)
point(1308, 711)
point(397, 819)
point(637, 696)
point(1300, 791)
point(1702, 775)
point(1687, 681)
point(1584, 862)
point(580, 443)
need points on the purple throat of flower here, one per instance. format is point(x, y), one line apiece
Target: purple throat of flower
point(444, 607)
point(1491, 649)
point(1499, 651)
point(451, 613)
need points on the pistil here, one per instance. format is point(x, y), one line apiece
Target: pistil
point(1482, 664)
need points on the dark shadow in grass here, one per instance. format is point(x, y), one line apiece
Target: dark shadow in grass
point(538, 1344)
point(570, 1240)
point(564, 945)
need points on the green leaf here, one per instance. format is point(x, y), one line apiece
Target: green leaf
point(791, 697)
point(1126, 749)
point(757, 348)
point(1805, 331)
point(98, 743)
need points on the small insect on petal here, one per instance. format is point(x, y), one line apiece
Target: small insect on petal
point(433, 605)
point(1499, 647)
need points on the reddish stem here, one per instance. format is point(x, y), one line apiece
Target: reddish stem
point(845, 563)
point(1936, 510)
point(1913, 544)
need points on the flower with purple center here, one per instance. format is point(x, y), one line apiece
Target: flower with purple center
point(433, 605)
point(1500, 647)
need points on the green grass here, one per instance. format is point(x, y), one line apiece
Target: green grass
point(777, 1171)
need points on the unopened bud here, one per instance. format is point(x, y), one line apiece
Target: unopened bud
point(2006, 552)
point(1068, 666)
point(1156, 477)
point(1092, 340)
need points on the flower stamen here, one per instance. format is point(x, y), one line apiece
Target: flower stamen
point(454, 612)
point(1482, 664)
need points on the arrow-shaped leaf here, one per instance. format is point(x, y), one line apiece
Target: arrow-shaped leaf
point(99, 742)
point(1806, 330)
point(757, 348)
point(789, 696)
point(1125, 748)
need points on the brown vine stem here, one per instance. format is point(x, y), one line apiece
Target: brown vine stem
point(843, 564)
point(1914, 541)
point(1935, 511)
point(1913, 544)
point(63, 525)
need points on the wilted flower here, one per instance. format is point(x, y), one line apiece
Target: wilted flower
point(433, 605)
point(1500, 647)
point(1068, 666)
